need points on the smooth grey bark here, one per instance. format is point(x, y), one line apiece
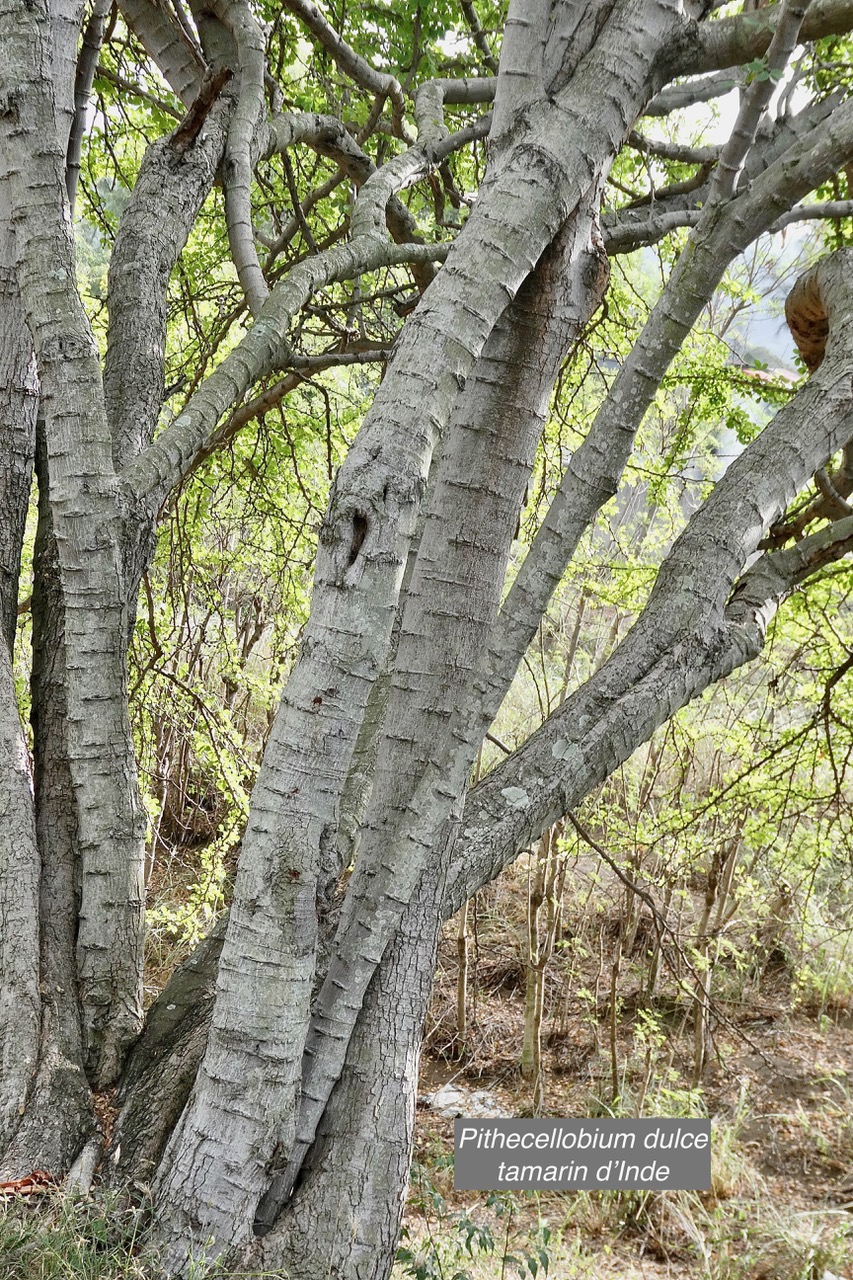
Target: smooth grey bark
point(521, 81)
point(58, 1117)
point(344, 1217)
point(62, 31)
point(46, 1112)
point(18, 407)
point(442, 414)
point(52, 1133)
point(378, 82)
point(84, 78)
point(476, 490)
point(108, 818)
point(217, 1162)
point(175, 177)
point(686, 638)
point(19, 860)
point(178, 57)
point(20, 1003)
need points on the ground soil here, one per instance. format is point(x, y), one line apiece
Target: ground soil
point(778, 1087)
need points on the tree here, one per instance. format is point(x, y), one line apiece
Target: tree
point(268, 1093)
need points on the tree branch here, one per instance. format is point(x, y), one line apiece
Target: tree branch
point(87, 63)
point(687, 636)
point(303, 367)
point(136, 91)
point(168, 44)
point(756, 99)
point(175, 177)
point(377, 82)
point(594, 470)
point(673, 150)
point(328, 137)
point(734, 41)
point(479, 35)
point(242, 146)
point(160, 467)
point(520, 81)
point(677, 97)
point(829, 209)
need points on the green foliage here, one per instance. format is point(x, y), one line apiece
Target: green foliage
point(501, 1240)
point(220, 617)
point(58, 1237)
point(742, 800)
point(758, 70)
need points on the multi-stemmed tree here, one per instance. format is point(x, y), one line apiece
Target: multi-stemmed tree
point(268, 1095)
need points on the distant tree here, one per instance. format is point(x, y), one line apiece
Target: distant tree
point(268, 1094)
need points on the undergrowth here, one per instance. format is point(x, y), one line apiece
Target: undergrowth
point(60, 1237)
point(528, 1235)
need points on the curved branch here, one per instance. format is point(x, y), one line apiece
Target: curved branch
point(776, 574)
point(151, 476)
point(812, 212)
point(377, 82)
point(136, 91)
point(757, 97)
point(705, 616)
point(634, 226)
point(302, 367)
point(732, 42)
point(87, 63)
point(175, 177)
point(329, 137)
point(241, 151)
point(704, 89)
point(299, 217)
point(168, 44)
point(623, 235)
point(677, 151)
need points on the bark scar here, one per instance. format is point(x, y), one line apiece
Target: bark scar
point(360, 525)
point(190, 127)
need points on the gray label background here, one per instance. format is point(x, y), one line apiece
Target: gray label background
point(614, 1143)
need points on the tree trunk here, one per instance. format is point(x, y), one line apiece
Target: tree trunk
point(269, 1100)
point(19, 862)
point(20, 1004)
point(58, 1118)
point(344, 1218)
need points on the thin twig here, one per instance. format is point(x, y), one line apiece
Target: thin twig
point(661, 927)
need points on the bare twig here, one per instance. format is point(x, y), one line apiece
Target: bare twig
point(663, 927)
